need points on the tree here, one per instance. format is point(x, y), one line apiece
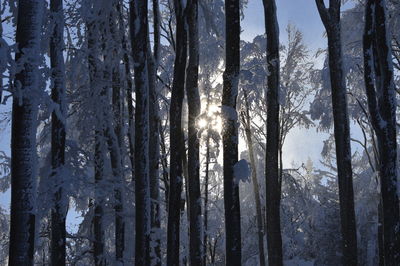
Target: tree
point(154, 138)
point(380, 90)
point(139, 36)
point(193, 96)
point(175, 113)
point(23, 133)
point(273, 196)
point(230, 133)
point(58, 132)
point(246, 122)
point(331, 20)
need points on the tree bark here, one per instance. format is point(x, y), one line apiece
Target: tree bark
point(139, 35)
point(58, 132)
point(154, 141)
point(273, 196)
point(230, 133)
point(193, 96)
point(382, 108)
point(331, 20)
point(23, 133)
point(176, 178)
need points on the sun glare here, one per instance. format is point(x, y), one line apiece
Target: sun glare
point(202, 123)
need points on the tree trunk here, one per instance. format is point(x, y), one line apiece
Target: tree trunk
point(230, 133)
point(97, 89)
point(193, 96)
point(382, 109)
point(273, 197)
point(154, 140)
point(139, 35)
point(58, 123)
point(206, 180)
point(23, 133)
point(176, 178)
point(249, 139)
point(331, 20)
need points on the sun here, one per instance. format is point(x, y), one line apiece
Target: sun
point(202, 123)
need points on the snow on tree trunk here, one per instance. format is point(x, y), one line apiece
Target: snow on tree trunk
point(139, 39)
point(176, 177)
point(230, 133)
point(331, 20)
point(273, 197)
point(26, 95)
point(382, 110)
point(193, 96)
point(58, 123)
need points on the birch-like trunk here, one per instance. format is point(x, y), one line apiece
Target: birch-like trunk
point(230, 133)
point(23, 133)
point(58, 132)
point(331, 20)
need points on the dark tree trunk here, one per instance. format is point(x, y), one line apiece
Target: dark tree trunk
point(331, 19)
point(176, 178)
point(95, 75)
point(382, 110)
point(154, 139)
point(58, 123)
point(23, 133)
point(246, 121)
point(230, 133)
point(139, 35)
point(273, 197)
point(193, 96)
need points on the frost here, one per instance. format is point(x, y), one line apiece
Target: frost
point(241, 171)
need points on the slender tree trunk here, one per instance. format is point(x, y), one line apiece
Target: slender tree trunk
point(23, 133)
point(382, 108)
point(139, 35)
point(273, 196)
point(154, 141)
point(193, 96)
point(206, 180)
point(249, 139)
point(230, 133)
point(176, 178)
point(95, 75)
point(58, 132)
point(331, 19)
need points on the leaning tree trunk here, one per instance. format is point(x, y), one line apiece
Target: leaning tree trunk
point(193, 96)
point(23, 133)
point(331, 20)
point(382, 110)
point(246, 121)
point(175, 185)
point(139, 35)
point(58, 123)
point(230, 133)
point(273, 197)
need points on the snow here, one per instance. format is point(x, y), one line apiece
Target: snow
point(241, 171)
